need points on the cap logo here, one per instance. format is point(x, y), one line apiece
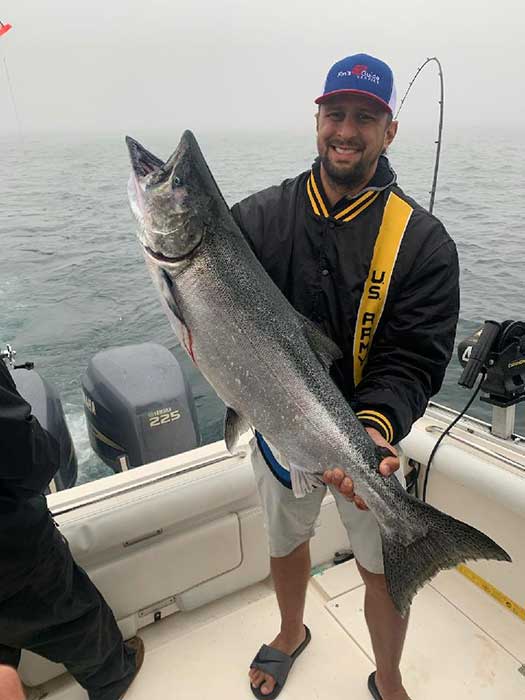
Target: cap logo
point(360, 72)
point(357, 70)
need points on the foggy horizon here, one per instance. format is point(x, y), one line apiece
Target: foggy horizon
point(120, 68)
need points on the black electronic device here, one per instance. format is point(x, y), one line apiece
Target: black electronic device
point(497, 350)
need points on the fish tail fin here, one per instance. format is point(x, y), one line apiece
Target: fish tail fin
point(442, 542)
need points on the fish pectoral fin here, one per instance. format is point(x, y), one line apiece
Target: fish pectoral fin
point(303, 481)
point(234, 426)
point(324, 347)
point(166, 289)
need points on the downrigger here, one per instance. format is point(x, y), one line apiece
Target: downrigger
point(497, 351)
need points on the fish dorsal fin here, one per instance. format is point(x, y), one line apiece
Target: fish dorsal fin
point(326, 350)
point(234, 426)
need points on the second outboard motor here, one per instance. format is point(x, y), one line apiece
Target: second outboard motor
point(46, 406)
point(138, 405)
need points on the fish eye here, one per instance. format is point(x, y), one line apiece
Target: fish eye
point(177, 182)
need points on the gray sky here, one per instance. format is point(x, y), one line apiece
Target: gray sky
point(108, 65)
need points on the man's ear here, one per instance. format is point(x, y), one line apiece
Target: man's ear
point(390, 133)
point(317, 120)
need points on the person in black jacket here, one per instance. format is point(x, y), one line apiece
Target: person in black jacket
point(379, 275)
point(48, 604)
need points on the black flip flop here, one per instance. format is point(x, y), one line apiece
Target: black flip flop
point(276, 664)
point(372, 687)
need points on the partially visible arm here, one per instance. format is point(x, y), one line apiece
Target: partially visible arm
point(408, 362)
point(10, 686)
point(29, 455)
point(411, 351)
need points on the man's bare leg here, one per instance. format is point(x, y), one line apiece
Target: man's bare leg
point(290, 576)
point(387, 631)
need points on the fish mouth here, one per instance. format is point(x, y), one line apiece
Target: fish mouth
point(142, 161)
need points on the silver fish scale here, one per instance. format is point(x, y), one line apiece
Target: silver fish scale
point(250, 344)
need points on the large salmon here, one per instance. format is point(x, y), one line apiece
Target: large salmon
point(270, 365)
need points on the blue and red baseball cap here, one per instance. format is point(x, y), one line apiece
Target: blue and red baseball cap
point(361, 74)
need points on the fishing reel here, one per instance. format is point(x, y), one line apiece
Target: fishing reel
point(498, 351)
point(8, 356)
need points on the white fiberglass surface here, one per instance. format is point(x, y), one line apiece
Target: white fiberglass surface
point(205, 654)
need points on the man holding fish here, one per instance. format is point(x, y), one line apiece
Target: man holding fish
point(323, 314)
point(392, 275)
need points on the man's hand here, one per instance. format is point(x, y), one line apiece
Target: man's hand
point(345, 485)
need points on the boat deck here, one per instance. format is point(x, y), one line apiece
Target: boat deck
point(461, 644)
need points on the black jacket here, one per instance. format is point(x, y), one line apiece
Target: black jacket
point(29, 458)
point(320, 258)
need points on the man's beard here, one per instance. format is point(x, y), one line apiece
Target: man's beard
point(342, 176)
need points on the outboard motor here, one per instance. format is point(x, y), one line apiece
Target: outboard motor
point(47, 409)
point(138, 405)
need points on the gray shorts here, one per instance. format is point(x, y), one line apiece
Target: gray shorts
point(291, 521)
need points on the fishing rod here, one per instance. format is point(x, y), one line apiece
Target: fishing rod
point(4, 28)
point(495, 353)
point(440, 127)
point(412, 481)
